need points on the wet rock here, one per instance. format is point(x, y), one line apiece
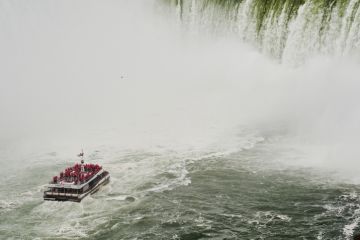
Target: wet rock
point(357, 236)
point(130, 199)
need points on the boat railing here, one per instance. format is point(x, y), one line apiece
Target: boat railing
point(78, 174)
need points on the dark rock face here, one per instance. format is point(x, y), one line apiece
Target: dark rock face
point(357, 236)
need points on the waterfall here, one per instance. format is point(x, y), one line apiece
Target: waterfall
point(288, 30)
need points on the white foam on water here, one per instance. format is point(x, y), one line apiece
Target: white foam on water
point(348, 229)
point(265, 217)
point(7, 205)
point(118, 198)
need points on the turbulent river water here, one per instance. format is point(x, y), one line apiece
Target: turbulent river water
point(245, 192)
point(216, 119)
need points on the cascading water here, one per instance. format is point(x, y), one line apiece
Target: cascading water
point(205, 137)
point(291, 31)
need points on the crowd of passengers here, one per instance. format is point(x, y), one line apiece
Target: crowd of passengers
point(76, 175)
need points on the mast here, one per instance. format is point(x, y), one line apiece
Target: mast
point(81, 155)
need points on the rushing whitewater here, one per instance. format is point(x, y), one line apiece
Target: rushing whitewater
point(217, 119)
point(289, 30)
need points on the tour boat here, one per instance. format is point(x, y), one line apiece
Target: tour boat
point(76, 182)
